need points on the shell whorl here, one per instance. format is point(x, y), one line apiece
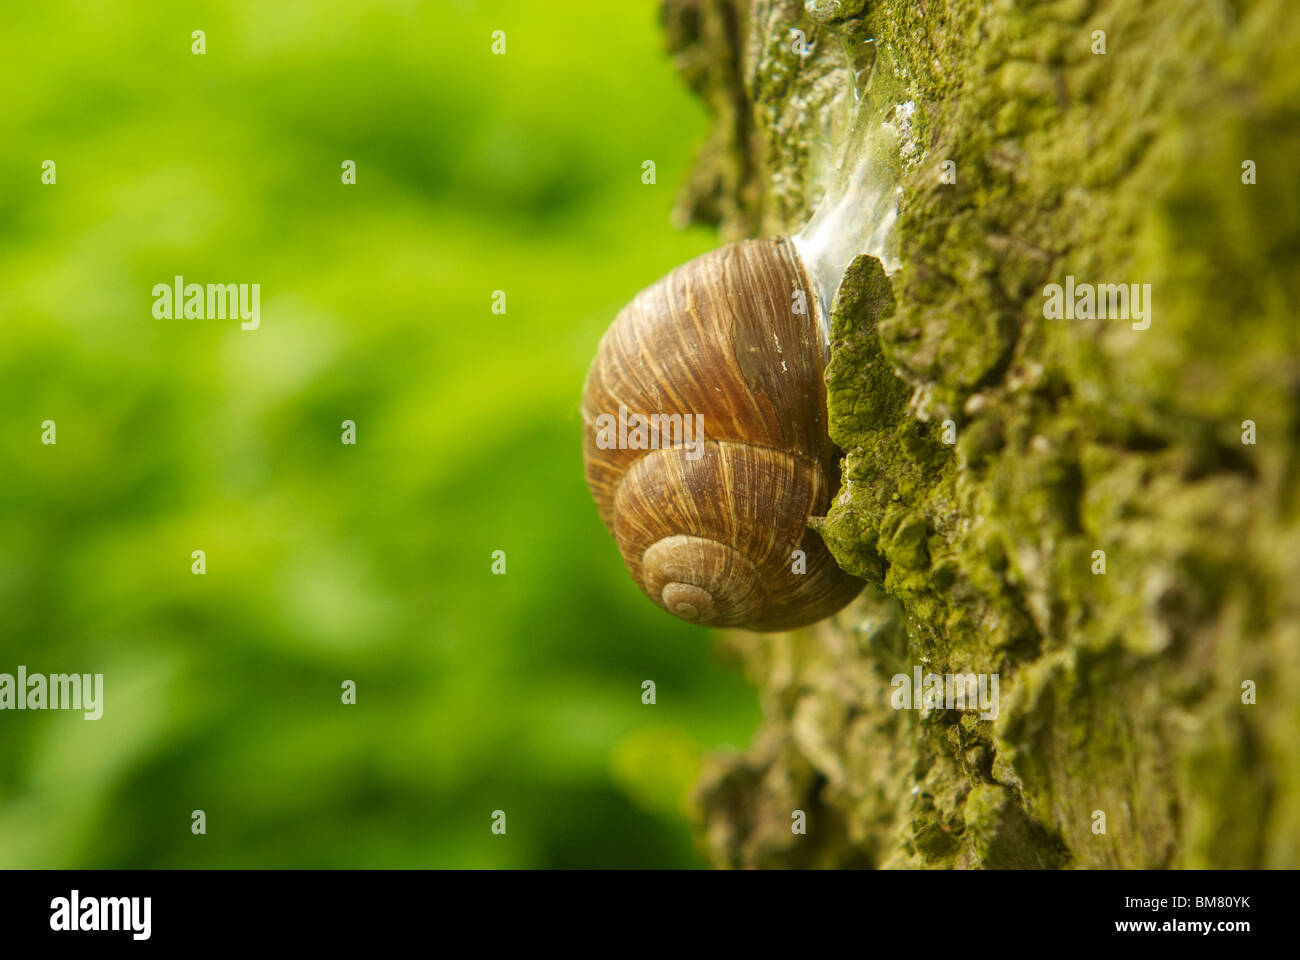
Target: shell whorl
point(702, 580)
point(708, 529)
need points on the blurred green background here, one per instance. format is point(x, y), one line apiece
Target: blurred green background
point(329, 562)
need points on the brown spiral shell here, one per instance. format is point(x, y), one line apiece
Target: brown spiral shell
point(711, 539)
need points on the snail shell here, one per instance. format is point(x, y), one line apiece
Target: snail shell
point(709, 531)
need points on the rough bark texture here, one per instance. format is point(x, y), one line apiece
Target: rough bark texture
point(1121, 693)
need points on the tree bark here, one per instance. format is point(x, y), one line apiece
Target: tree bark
point(1107, 518)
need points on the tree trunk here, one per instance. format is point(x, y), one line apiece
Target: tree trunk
point(1104, 515)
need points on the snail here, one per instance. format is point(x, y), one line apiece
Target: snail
point(705, 439)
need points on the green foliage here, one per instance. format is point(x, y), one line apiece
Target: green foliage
point(328, 562)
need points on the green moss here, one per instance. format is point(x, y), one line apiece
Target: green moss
point(1121, 690)
point(1004, 837)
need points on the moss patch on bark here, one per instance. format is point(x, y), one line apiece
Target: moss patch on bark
point(1123, 738)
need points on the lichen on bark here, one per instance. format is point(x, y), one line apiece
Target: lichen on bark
point(1121, 692)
